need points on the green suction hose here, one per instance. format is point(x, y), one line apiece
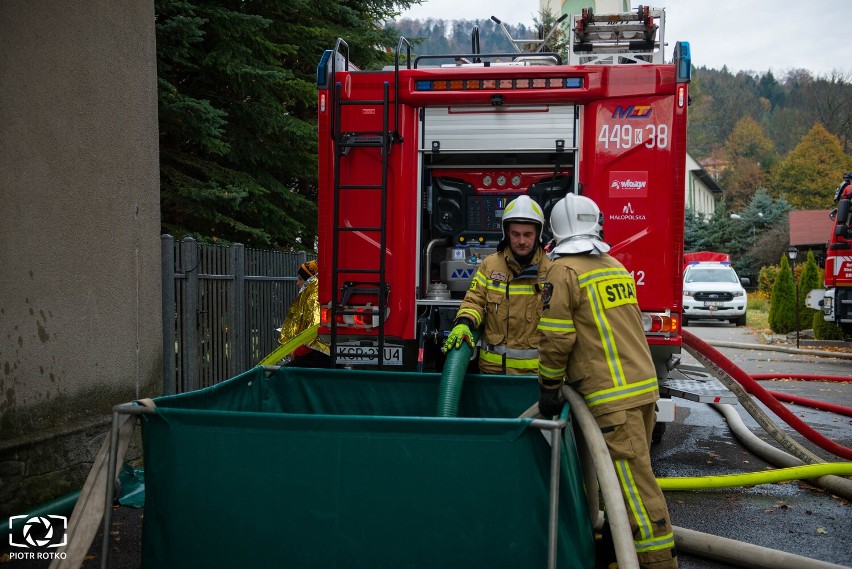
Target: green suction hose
point(452, 378)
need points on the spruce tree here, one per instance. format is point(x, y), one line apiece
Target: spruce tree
point(782, 307)
point(237, 111)
point(808, 280)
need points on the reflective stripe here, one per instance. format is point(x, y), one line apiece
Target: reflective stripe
point(472, 314)
point(602, 274)
point(490, 357)
point(514, 288)
point(655, 544)
point(607, 338)
point(615, 393)
point(634, 500)
point(512, 352)
point(551, 372)
point(556, 325)
point(519, 289)
point(599, 314)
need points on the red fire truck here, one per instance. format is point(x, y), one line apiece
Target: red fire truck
point(835, 300)
point(418, 160)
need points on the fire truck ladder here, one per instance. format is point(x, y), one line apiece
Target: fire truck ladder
point(344, 142)
point(607, 39)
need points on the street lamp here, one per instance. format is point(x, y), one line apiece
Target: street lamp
point(792, 252)
point(738, 217)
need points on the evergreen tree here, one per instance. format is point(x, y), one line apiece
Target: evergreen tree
point(237, 104)
point(762, 233)
point(782, 308)
point(771, 90)
point(808, 280)
point(695, 227)
point(559, 41)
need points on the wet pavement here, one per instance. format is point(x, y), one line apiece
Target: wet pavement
point(794, 517)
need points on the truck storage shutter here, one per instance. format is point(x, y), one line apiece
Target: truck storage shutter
point(532, 128)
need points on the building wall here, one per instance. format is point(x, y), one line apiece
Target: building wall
point(80, 314)
point(699, 197)
point(573, 7)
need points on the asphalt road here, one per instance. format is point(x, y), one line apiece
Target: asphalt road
point(793, 517)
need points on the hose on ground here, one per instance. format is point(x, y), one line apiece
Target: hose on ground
point(812, 403)
point(754, 478)
point(697, 543)
point(836, 485)
point(802, 377)
point(741, 553)
point(736, 380)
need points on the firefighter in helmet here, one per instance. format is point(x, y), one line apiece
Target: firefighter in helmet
point(504, 297)
point(304, 313)
point(592, 338)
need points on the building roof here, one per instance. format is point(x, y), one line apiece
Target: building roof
point(708, 180)
point(809, 227)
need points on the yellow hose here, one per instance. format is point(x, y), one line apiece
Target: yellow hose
point(284, 350)
point(754, 478)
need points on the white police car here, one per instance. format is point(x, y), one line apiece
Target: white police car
point(714, 291)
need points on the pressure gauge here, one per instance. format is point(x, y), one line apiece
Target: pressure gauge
point(501, 180)
point(486, 180)
point(516, 180)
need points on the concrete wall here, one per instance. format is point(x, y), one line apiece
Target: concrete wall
point(80, 316)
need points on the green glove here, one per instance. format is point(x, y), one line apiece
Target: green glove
point(461, 332)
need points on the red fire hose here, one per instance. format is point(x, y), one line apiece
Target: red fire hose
point(812, 403)
point(754, 388)
point(803, 377)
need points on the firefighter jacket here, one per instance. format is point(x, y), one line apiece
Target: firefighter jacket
point(592, 334)
point(303, 314)
point(505, 300)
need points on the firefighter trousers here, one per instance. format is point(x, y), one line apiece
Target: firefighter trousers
point(628, 436)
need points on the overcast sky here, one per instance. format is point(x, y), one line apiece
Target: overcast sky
point(745, 35)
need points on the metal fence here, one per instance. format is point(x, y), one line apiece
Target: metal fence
point(221, 308)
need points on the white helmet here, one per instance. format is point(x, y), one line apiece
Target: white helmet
point(576, 223)
point(523, 209)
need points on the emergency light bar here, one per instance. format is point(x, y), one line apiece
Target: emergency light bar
point(705, 262)
point(498, 84)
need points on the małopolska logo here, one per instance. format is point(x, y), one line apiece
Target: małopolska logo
point(38, 531)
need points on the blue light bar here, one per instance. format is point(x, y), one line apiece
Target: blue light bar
point(683, 62)
point(423, 85)
point(573, 82)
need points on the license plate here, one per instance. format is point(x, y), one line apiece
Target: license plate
point(354, 354)
point(712, 303)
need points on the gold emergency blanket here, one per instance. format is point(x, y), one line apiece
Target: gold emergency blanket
point(304, 313)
